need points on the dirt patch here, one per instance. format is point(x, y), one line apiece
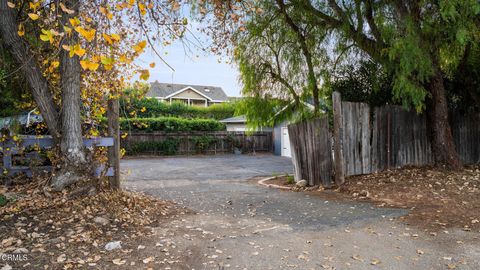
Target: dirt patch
point(437, 199)
point(54, 231)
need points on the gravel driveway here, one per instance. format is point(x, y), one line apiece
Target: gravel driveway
point(241, 225)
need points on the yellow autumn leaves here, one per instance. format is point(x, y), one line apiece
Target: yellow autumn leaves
point(111, 44)
point(89, 35)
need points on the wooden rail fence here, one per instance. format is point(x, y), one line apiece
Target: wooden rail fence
point(13, 151)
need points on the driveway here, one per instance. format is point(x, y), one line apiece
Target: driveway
point(240, 225)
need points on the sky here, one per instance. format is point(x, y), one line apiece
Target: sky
point(190, 69)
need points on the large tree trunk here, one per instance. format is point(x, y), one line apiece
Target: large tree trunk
point(24, 57)
point(74, 159)
point(443, 146)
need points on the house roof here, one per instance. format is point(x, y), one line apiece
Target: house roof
point(236, 119)
point(162, 90)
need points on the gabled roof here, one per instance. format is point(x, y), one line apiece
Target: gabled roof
point(236, 119)
point(164, 90)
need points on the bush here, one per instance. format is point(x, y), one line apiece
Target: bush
point(170, 124)
point(151, 108)
point(166, 147)
point(202, 143)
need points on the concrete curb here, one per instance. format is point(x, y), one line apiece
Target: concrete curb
point(262, 183)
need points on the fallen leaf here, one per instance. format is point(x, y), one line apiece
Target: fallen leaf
point(149, 259)
point(118, 261)
point(61, 258)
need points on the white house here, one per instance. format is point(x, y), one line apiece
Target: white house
point(197, 95)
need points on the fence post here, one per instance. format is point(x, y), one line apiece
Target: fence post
point(338, 138)
point(113, 114)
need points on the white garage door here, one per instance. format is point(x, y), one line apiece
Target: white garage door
point(285, 143)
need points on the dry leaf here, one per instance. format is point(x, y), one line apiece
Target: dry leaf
point(118, 261)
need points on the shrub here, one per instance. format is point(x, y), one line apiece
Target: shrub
point(170, 124)
point(167, 147)
point(202, 143)
point(151, 108)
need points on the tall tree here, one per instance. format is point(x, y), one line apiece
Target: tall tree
point(418, 42)
point(69, 54)
point(280, 58)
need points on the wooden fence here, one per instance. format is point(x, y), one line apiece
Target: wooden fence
point(189, 143)
point(371, 140)
point(18, 151)
point(310, 160)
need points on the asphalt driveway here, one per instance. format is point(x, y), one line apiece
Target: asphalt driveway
point(240, 225)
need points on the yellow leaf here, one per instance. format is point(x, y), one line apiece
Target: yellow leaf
point(33, 5)
point(115, 37)
point(66, 47)
point(10, 5)
point(124, 59)
point(106, 60)
point(152, 65)
point(33, 16)
point(144, 74)
point(74, 22)
point(46, 36)
point(143, 109)
point(124, 135)
point(94, 132)
point(88, 65)
point(89, 35)
point(107, 38)
point(78, 50)
point(55, 64)
point(21, 30)
point(140, 46)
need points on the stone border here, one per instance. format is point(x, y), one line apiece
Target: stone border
point(262, 183)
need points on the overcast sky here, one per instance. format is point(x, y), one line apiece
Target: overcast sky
point(190, 69)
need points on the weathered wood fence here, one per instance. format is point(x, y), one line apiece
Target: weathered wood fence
point(371, 140)
point(14, 151)
point(189, 143)
point(20, 155)
point(310, 160)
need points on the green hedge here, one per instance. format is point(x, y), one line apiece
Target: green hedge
point(166, 147)
point(169, 146)
point(170, 124)
point(151, 108)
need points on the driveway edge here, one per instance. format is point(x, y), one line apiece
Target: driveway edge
point(262, 183)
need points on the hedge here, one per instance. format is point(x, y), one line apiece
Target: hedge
point(151, 108)
point(167, 147)
point(170, 124)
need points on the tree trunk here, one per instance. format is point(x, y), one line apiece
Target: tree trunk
point(24, 57)
point(443, 146)
point(73, 154)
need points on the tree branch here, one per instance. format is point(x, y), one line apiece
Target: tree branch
point(312, 80)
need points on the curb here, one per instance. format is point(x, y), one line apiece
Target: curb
point(262, 183)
